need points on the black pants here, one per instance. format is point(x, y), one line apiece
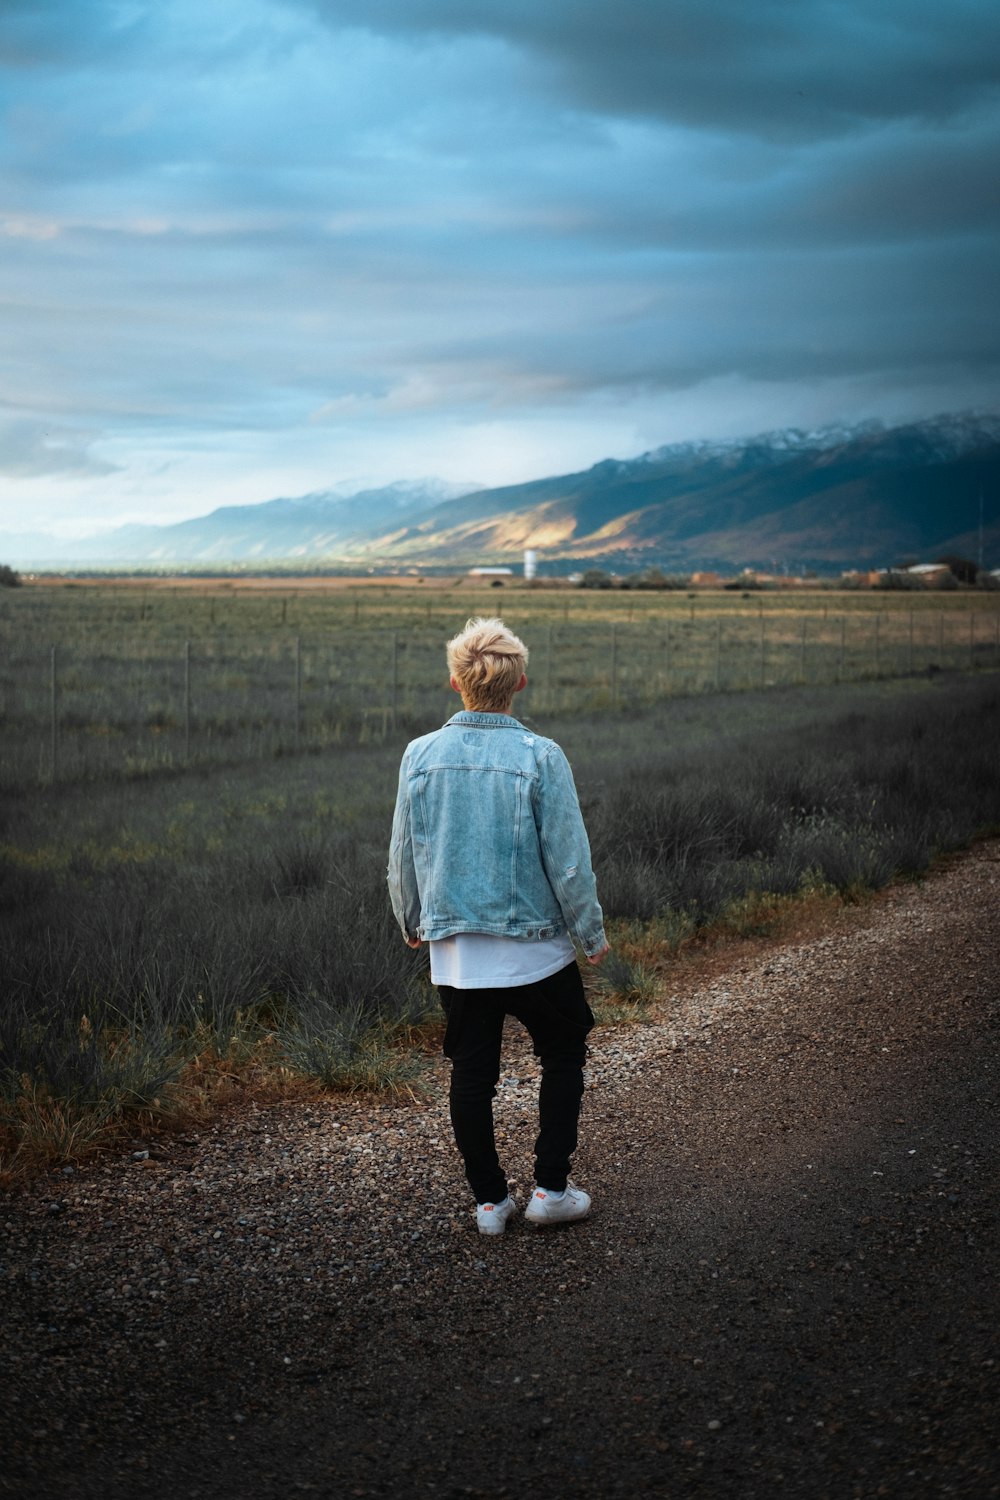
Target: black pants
point(556, 1014)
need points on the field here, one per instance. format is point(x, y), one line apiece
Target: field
point(187, 913)
point(131, 679)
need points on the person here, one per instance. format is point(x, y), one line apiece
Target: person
point(489, 864)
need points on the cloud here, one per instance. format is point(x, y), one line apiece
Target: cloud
point(239, 232)
point(789, 69)
point(27, 227)
point(30, 448)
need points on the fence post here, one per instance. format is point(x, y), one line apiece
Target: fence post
point(614, 664)
point(718, 651)
point(941, 639)
point(843, 638)
point(802, 654)
point(909, 658)
point(54, 714)
point(548, 670)
point(878, 623)
point(667, 666)
point(298, 690)
point(395, 678)
point(972, 638)
point(187, 700)
point(763, 648)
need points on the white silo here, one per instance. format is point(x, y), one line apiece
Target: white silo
point(530, 563)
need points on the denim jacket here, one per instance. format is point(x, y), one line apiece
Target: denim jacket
point(488, 837)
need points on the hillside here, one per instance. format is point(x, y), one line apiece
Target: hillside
point(866, 496)
point(835, 498)
point(318, 525)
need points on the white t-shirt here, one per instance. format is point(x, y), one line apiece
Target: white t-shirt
point(480, 961)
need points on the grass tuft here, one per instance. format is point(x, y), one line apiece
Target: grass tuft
point(346, 1053)
point(624, 989)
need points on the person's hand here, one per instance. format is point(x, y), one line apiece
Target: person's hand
point(413, 942)
point(595, 958)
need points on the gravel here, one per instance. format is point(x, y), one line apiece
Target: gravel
point(787, 1286)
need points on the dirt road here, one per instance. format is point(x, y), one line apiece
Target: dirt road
point(788, 1286)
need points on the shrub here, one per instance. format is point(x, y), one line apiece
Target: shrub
point(963, 568)
point(64, 1078)
point(344, 1050)
point(654, 578)
point(130, 952)
point(898, 578)
point(632, 886)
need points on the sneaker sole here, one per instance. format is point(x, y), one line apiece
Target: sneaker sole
point(553, 1223)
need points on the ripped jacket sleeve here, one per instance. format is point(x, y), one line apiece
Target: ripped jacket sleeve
point(565, 851)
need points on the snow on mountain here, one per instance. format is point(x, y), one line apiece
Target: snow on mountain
point(826, 497)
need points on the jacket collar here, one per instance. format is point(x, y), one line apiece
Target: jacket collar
point(484, 721)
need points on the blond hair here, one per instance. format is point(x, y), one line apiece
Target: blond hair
point(487, 661)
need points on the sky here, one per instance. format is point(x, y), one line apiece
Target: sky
point(252, 248)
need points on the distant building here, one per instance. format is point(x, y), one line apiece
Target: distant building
point(491, 572)
point(706, 578)
point(530, 563)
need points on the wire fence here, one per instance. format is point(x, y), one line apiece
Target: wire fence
point(75, 711)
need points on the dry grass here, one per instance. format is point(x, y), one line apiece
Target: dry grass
point(151, 678)
point(239, 945)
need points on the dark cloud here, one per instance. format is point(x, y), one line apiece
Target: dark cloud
point(47, 33)
point(791, 69)
point(781, 317)
point(904, 185)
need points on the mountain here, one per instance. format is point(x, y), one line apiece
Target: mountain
point(838, 497)
point(827, 499)
point(311, 526)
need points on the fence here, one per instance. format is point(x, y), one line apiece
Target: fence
point(76, 711)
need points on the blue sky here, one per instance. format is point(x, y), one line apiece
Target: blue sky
point(252, 248)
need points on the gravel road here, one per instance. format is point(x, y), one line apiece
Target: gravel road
point(788, 1286)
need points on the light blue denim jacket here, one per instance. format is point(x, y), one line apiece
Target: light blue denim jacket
point(488, 837)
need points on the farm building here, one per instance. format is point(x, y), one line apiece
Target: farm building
point(929, 572)
point(494, 573)
point(868, 577)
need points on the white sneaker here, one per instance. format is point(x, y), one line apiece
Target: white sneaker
point(561, 1208)
point(492, 1217)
